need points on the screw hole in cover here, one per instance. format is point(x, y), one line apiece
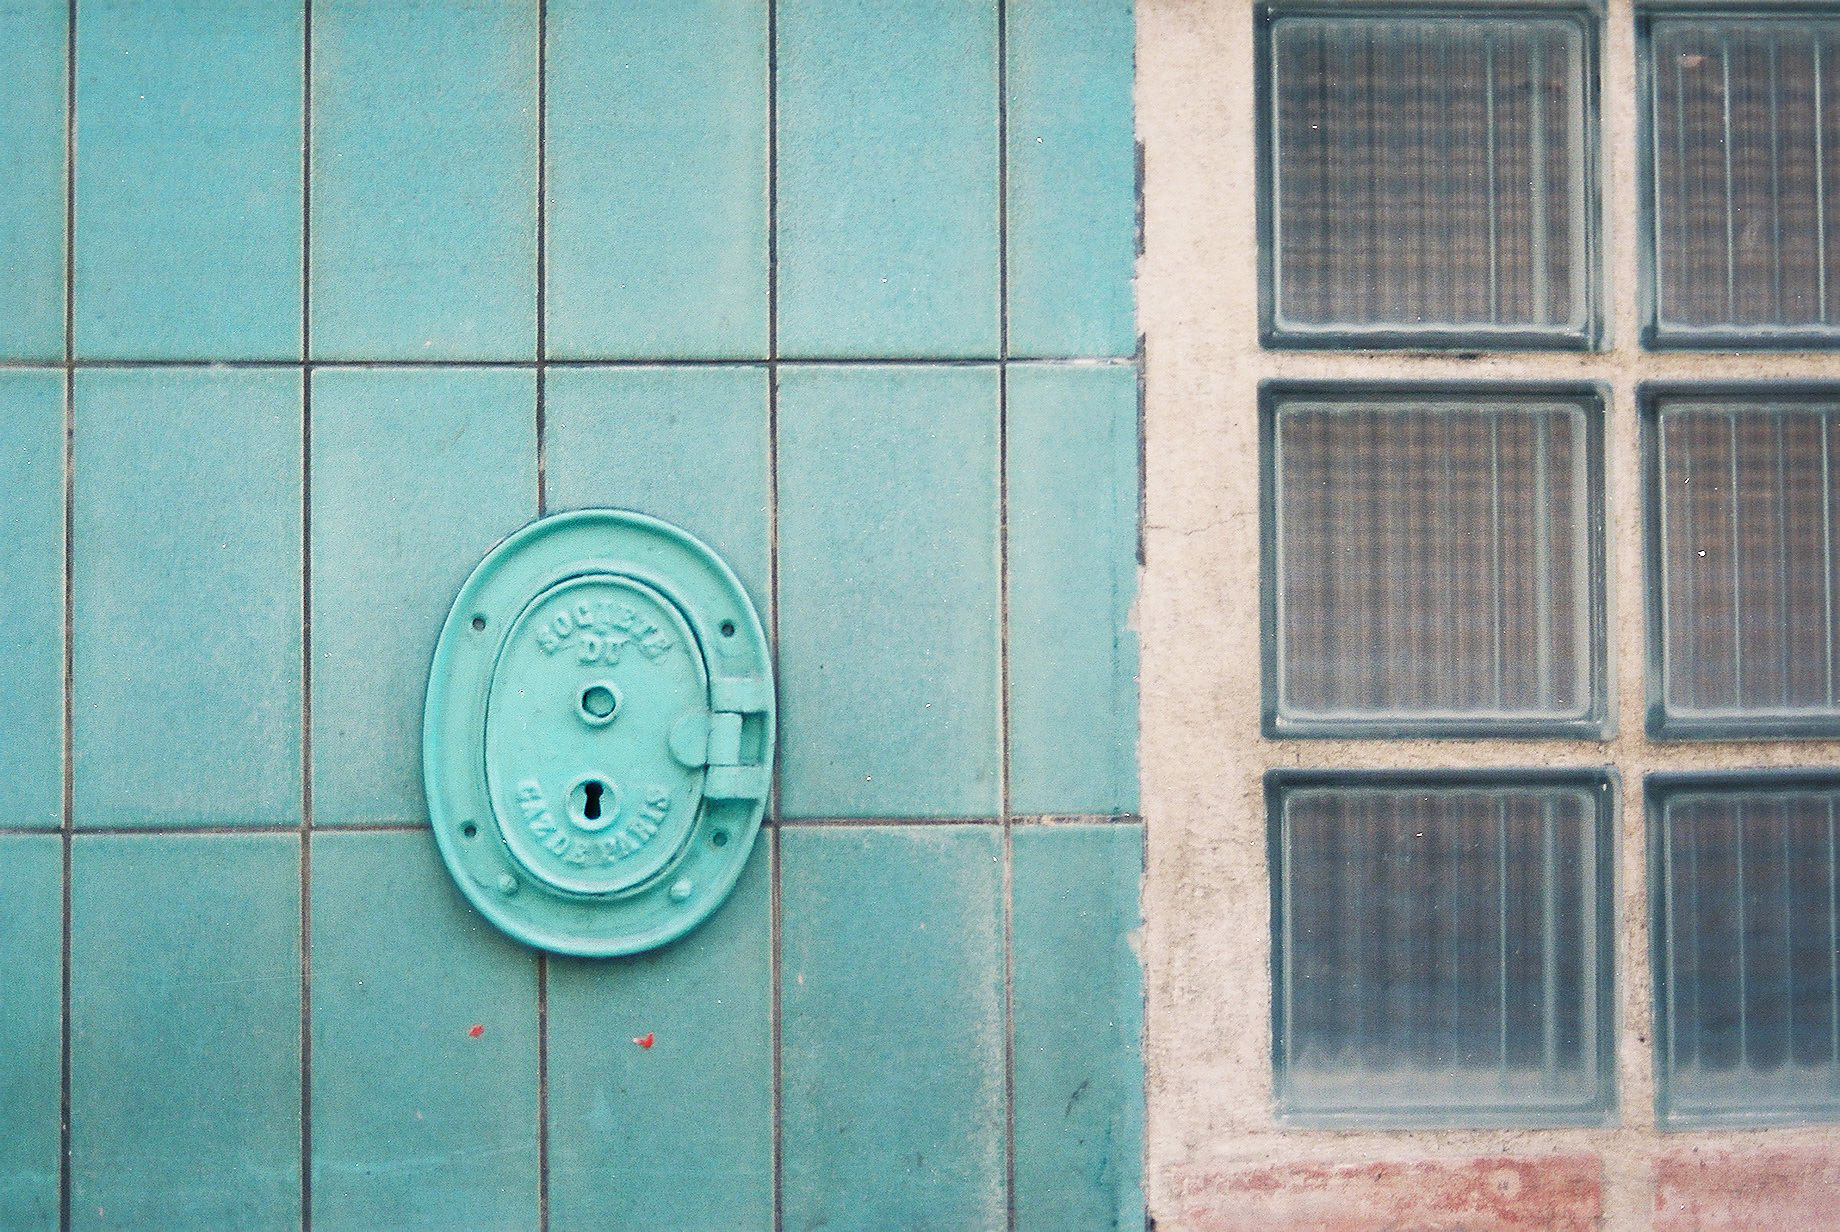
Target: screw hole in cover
point(728, 628)
point(719, 838)
point(599, 702)
point(479, 624)
point(470, 830)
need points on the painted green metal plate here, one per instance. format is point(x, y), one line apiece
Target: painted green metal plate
point(597, 743)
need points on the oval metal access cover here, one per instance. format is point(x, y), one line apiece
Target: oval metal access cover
point(597, 743)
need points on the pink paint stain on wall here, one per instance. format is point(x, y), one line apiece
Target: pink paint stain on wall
point(1563, 1193)
point(1784, 1189)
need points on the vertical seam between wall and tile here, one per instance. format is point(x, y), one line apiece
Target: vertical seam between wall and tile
point(776, 1151)
point(1141, 911)
point(306, 615)
point(1003, 670)
point(540, 427)
point(67, 785)
point(1141, 361)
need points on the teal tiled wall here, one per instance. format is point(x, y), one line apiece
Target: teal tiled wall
point(695, 436)
point(396, 180)
point(303, 307)
point(424, 1046)
point(188, 187)
point(1073, 553)
point(888, 180)
point(31, 923)
point(185, 1041)
point(888, 579)
point(392, 537)
point(185, 593)
point(1078, 1111)
point(658, 136)
point(892, 1025)
point(32, 600)
point(699, 1153)
point(32, 94)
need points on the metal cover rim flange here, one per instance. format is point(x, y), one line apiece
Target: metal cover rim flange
point(705, 823)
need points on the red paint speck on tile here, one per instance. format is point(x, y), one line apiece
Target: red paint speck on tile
point(475, 1031)
point(644, 1041)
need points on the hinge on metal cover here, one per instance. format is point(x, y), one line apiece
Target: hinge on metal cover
point(714, 739)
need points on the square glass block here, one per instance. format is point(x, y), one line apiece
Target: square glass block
point(1433, 561)
point(1743, 886)
point(1741, 557)
point(1741, 120)
point(1441, 948)
point(1428, 178)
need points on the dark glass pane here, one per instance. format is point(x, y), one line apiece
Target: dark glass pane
point(1747, 574)
point(1434, 560)
point(1439, 953)
point(1430, 175)
point(1746, 913)
point(1742, 127)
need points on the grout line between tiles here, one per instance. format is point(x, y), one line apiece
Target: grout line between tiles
point(900, 823)
point(64, 1136)
point(740, 361)
point(306, 616)
point(1046, 820)
point(542, 1090)
point(70, 186)
point(306, 802)
point(775, 1018)
point(1003, 667)
point(775, 914)
point(67, 816)
point(542, 443)
point(290, 830)
point(542, 203)
point(1042, 821)
point(306, 1027)
point(342, 827)
point(542, 255)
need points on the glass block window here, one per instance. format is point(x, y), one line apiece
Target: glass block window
point(1433, 561)
point(1746, 926)
point(1441, 947)
point(1742, 545)
point(1428, 179)
point(1742, 129)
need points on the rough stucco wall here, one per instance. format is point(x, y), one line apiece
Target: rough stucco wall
point(1207, 951)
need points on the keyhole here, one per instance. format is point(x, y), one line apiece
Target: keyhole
point(594, 804)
